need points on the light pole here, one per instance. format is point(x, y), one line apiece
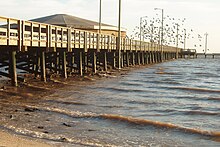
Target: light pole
point(141, 20)
point(184, 39)
point(206, 42)
point(119, 36)
point(141, 30)
point(177, 35)
point(177, 39)
point(100, 16)
point(162, 18)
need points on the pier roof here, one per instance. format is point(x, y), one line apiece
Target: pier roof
point(74, 22)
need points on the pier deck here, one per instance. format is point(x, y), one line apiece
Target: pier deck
point(43, 49)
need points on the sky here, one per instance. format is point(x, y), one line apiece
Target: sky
point(201, 15)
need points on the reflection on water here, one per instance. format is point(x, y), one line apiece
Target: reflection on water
point(169, 104)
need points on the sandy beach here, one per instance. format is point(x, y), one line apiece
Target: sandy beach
point(9, 140)
point(34, 89)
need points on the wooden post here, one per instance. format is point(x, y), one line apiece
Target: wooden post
point(105, 64)
point(94, 62)
point(8, 31)
point(142, 57)
point(19, 34)
point(139, 58)
point(127, 59)
point(57, 62)
point(43, 66)
point(12, 68)
point(98, 42)
point(151, 57)
point(146, 58)
point(72, 60)
point(133, 58)
point(37, 64)
point(48, 35)
point(113, 60)
point(69, 42)
point(122, 59)
point(39, 33)
point(32, 33)
point(156, 57)
point(64, 72)
point(118, 47)
point(81, 63)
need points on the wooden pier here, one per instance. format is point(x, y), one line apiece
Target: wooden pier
point(188, 53)
point(210, 55)
point(43, 49)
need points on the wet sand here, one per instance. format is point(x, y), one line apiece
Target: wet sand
point(32, 90)
point(9, 140)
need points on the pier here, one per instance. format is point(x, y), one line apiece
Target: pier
point(188, 53)
point(44, 49)
point(210, 55)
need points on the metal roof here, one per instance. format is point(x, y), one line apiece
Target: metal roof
point(74, 22)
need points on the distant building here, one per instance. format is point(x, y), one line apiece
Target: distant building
point(79, 23)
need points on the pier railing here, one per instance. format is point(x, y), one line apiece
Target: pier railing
point(14, 32)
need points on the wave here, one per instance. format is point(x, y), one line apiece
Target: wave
point(127, 119)
point(131, 120)
point(206, 74)
point(65, 102)
point(159, 124)
point(124, 90)
point(196, 89)
point(167, 73)
point(214, 99)
point(132, 84)
point(59, 138)
point(201, 113)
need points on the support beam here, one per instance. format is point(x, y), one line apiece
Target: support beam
point(113, 60)
point(37, 63)
point(80, 64)
point(94, 61)
point(12, 68)
point(127, 59)
point(105, 64)
point(133, 58)
point(43, 66)
point(64, 71)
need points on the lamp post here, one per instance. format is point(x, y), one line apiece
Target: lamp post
point(206, 42)
point(100, 16)
point(119, 36)
point(162, 18)
point(177, 39)
point(184, 39)
point(177, 35)
point(161, 42)
point(141, 30)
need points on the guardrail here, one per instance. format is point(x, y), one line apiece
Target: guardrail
point(33, 34)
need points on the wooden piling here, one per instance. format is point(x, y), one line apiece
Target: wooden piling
point(43, 66)
point(105, 63)
point(94, 61)
point(80, 62)
point(64, 63)
point(127, 59)
point(12, 68)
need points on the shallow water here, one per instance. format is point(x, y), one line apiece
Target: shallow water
point(170, 104)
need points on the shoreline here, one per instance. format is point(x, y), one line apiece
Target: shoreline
point(11, 140)
point(33, 89)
